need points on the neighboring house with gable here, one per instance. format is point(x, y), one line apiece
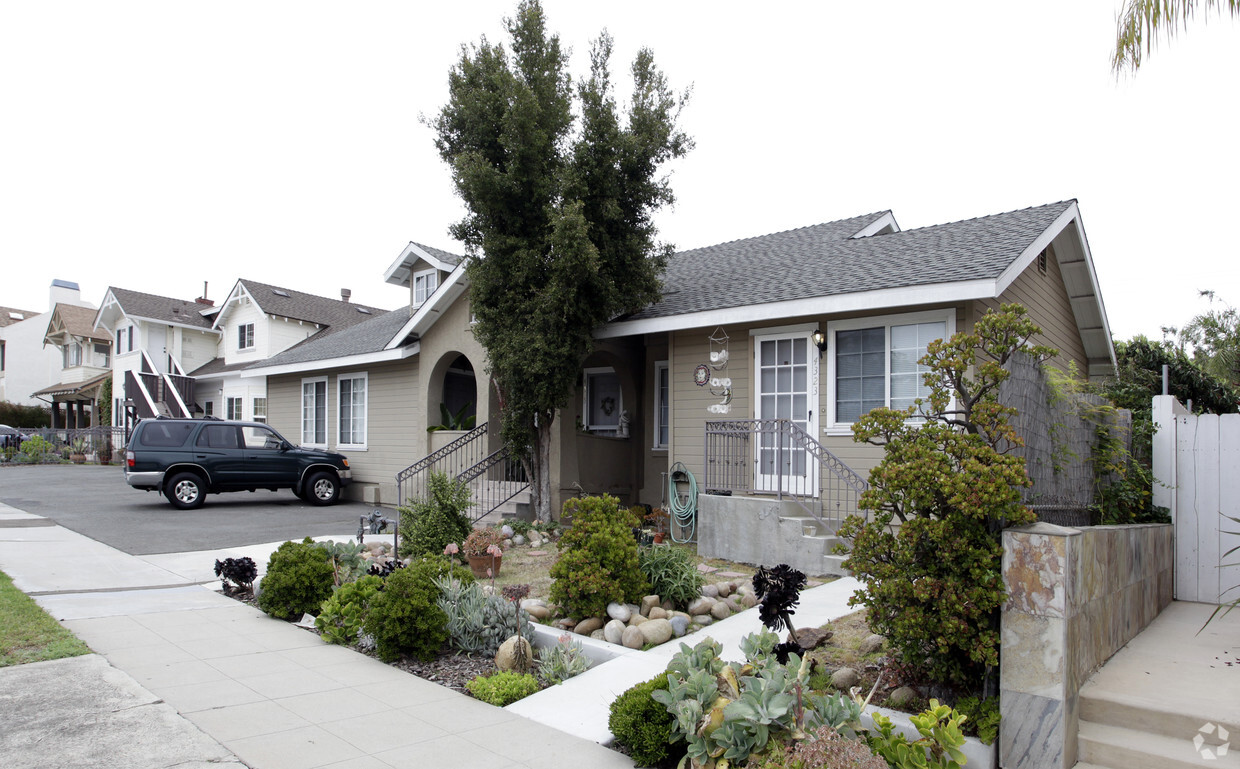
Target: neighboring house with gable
point(749, 371)
point(157, 341)
point(86, 363)
point(255, 322)
point(27, 363)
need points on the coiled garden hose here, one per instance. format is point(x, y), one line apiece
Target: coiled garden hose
point(683, 513)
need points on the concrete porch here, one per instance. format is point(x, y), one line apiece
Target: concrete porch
point(1145, 706)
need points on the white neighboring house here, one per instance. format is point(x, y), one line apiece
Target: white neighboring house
point(86, 363)
point(256, 322)
point(156, 340)
point(27, 365)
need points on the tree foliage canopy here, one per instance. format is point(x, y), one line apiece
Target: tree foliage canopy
point(560, 189)
point(1142, 21)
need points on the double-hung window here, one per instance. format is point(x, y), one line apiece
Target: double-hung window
point(260, 409)
point(245, 336)
point(233, 408)
point(314, 412)
point(662, 405)
point(424, 284)
point(352, 395)
point(873, 362)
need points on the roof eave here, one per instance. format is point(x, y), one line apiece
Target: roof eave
point(361, 359)
point(444, 296)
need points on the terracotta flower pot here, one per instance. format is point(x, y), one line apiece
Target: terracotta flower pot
point(658, 537)
point(479, 564)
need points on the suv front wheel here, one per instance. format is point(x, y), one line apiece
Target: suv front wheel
point(322, 489)
point(185, 491)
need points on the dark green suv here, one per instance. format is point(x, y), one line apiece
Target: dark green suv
point(187, 459)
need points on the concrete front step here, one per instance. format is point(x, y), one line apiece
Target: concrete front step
point(1117, 747)
point(1143, 714)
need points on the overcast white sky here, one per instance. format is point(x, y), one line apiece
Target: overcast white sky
point(154, 146)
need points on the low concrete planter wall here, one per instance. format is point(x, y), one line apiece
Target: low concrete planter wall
point(1075, 597)
point(759, 530)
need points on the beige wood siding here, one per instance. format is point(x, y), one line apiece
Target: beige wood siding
point(1046, 299)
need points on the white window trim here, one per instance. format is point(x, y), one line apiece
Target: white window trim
point(253, 336)
point(413, 286)
point(239, 414)
point(585, 397)
point(340, 444)
point(661, 365)
point(327, 412)
point(886, 321)
point(255, 414)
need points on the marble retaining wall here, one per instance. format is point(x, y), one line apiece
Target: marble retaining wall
point(1075, 597)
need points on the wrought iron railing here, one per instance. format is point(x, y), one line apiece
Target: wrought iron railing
point(777, 457)
point(493, 478)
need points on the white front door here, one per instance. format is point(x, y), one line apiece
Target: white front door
point(786, 384)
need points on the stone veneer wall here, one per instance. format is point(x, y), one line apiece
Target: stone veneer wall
point(1075, 597)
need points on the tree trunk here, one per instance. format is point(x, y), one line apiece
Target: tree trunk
point(540, 465)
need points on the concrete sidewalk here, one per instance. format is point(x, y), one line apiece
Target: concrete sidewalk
point(195, 679)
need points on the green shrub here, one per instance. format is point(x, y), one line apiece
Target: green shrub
point(429, 525)
point(38, 450)
point(503, 688)
point(403, 617)
point(343, 615)
point(672, 573)
point(478, 623)
point(299, 578)
point(642, 726)
point(598, 561)
point(983, 717)
point(934, 585)
point(25, 417)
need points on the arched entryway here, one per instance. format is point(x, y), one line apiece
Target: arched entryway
point(452, 400)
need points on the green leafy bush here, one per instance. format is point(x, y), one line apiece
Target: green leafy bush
point(429, 525)
point(299, 578)
point(937, 748)
point(643, 726)
point(982, 717)
point(598, 561)
point(934, 584)
point(478, 623)
point(404, 617)
point(25, 417)
point(557, 664)
point(343, 615)
point(38, 450)
point(503, 688)
point(672, 573)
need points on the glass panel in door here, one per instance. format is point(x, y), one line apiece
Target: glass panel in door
point(786, 375)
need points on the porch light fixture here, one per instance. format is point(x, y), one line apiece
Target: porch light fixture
point(820, 341)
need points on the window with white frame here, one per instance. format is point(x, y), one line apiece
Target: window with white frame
point(233, 408)
point(72, 355)
point(351, 390)
point(103, 356)
point(124, 340)
point(424, 284)
point(603, 403)
point(874, 361)
point(260, 409)
point(208, 408)
point(662, 405)
point(314, 412)
point(245, 336)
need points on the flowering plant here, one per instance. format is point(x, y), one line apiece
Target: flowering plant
point(481, 541)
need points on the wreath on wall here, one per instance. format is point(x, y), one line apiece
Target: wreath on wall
point(608, 405)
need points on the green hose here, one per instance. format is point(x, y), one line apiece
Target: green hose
point(683, 513)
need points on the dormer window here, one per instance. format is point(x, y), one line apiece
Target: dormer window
point(245, 336)
point(424, 284)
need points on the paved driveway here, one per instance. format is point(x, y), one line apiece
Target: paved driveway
point(95, 501)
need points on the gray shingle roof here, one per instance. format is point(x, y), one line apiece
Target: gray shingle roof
point(441, 255)
point(7, 313)
point(79, 321)
point(298, 305)
point(162, 308)
point(218, 366)
point(369, 336)
point(822, 260)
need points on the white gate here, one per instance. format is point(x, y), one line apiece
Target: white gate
point(1197, 469)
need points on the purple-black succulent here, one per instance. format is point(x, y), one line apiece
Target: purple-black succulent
point(778, 590)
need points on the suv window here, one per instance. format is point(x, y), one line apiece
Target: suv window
point(165, 434)
point(218, 437)
point(260, 438)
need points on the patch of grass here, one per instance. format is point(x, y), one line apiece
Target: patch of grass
point(29, 634)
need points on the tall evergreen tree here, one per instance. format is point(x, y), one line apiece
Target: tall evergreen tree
point(559, 225)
